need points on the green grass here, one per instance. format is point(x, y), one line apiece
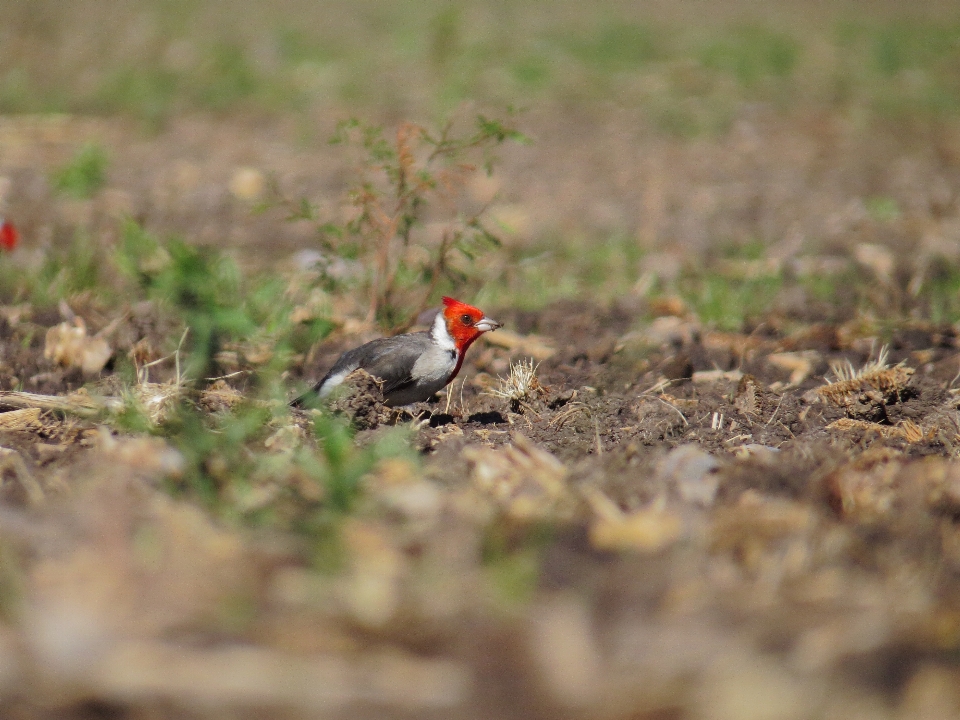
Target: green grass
point(883, 209)
point(727, 303)
point(619, 46)
point(753, 56)
point(85, 174)
point(560, 267)
point(690, 74)
point(73, 265)
point(940, 297)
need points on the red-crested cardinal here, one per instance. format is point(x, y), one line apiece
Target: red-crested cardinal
point(8, 235)
point(412, 366)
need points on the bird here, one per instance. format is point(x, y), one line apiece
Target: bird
point(9, 237)
point(412, 366)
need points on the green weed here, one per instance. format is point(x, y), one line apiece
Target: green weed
point(556, 267)
point(85, 174)
point(150, 93)
point(228, 78)
point(198, 284)
point(401, 182)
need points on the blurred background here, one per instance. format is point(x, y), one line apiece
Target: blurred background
point(710, 162)
point(658, 129)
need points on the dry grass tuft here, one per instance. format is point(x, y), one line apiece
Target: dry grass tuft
point(876, 380)
point(521, 386)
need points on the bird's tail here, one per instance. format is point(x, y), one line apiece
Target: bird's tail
point(308, 400)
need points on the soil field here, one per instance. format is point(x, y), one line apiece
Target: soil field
point(708, 469)
point(670, 521)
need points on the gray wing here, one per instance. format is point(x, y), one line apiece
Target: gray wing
point(389, 359)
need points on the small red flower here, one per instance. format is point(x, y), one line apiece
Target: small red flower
point(9, 237)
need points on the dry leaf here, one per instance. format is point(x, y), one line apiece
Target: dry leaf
point(69, 345)
point(877, 258)
point(526, 481)
point(647, 530)
point(800, 365)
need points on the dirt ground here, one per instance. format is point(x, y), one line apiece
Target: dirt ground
point(671, 522)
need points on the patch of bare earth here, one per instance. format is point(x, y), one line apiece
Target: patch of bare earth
point(673, 522)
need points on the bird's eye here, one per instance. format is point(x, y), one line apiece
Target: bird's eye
point(466, 320)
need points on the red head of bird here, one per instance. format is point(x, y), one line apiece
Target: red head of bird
point(465, 323)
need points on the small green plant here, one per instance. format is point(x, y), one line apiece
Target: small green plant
point(403, 183)
point(251, 317)
point(253, 465)
point(200, 285)
point(939, 295)
point(85, 174)
point(150, 93)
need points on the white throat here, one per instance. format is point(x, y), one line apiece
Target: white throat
point(440, 334)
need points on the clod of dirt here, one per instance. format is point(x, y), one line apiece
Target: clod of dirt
point(219, 397)
point(362, 401)
point(693, 472)
point(800, 365)
point(397, 486)
point(678, 367)
point(905, 430)
point(371, 588)
point(558, 398)
point(757, 521)
point(658, 418)
point(566, 652)
point(533, 345)
point(24, 489)
point(93, 595)
point(491, 417)
point(150, 456)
